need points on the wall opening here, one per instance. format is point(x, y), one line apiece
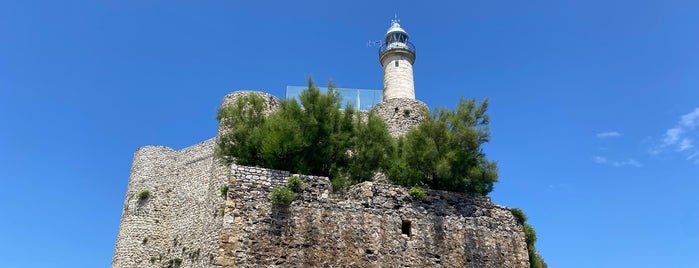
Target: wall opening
point(406, 227)
point(396, 63)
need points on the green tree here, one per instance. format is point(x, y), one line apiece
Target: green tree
point(242, 121)
point(371, 148)
point(313, 137)
point(308, 139)
point(444, 151)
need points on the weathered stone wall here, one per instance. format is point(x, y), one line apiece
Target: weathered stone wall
point(175, 221)
point(141, 231)
point(401, 114)
point(363, 227)
point(271, 101)
point(186, 222)
point(182, 219)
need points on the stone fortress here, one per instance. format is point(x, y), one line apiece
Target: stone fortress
point(201, 213)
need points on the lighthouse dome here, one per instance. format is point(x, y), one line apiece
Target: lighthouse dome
point(395, 28)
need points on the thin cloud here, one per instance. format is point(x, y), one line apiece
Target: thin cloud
point(694, 158)
point(628, 162)
point(680, 138)
point(608, 134)
point(625, 163)
point(672, 136)
point(690, 120)
point(599, 159)
point(685, 144)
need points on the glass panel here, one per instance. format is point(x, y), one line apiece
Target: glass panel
point(362, 99)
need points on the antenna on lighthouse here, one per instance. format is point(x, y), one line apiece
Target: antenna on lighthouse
point(373, 43)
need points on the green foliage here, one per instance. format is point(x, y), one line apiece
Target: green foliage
point(371, 147)
point(224, 191)
point(242, 120)
point(339, 183)
point(444, 151)
point(283, 196)
point(313, 137)
point(529, 234)
point(221, 212)
point(295, 184)
point(535, 260)
point(406, 112)
point(519, 215)
point(418, 192)
point(308, 140)
point(143, 195)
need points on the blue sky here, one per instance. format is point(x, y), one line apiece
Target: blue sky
point(594, 107)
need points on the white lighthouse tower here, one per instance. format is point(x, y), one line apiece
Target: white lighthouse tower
point(397, 56)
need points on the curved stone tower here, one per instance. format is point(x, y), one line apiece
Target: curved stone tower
point(397, 56)
point(180, 222)
point(401, 114)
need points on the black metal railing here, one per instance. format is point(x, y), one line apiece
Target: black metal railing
point(397, 45)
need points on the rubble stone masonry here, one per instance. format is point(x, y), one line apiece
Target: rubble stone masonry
point(189, 220)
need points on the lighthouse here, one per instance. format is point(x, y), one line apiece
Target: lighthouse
point(397, 56)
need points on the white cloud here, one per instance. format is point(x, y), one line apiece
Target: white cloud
point(608, 134)
point(690, 120)
point(629, 162)
point(599, 159)
point(604, 161)
point(694, 157)
point(672, 136)
point(680, 138)
point(685, 144)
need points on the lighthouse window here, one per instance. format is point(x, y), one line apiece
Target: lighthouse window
point(396, 63)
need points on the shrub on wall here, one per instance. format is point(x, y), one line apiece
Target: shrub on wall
point(444, 151)
point(519, 215)
point(295, 184)
point(224, 191)
point(242, 120)
point(310, 137)
point(283, 196)
point(143, 195)
point(535, 260)
point(418, 192)
point(316, 137)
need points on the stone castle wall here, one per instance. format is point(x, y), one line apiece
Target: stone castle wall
point(176, 220)
point(181, 221)
point(187, 222)
point(364, 227)
point(401, 114)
